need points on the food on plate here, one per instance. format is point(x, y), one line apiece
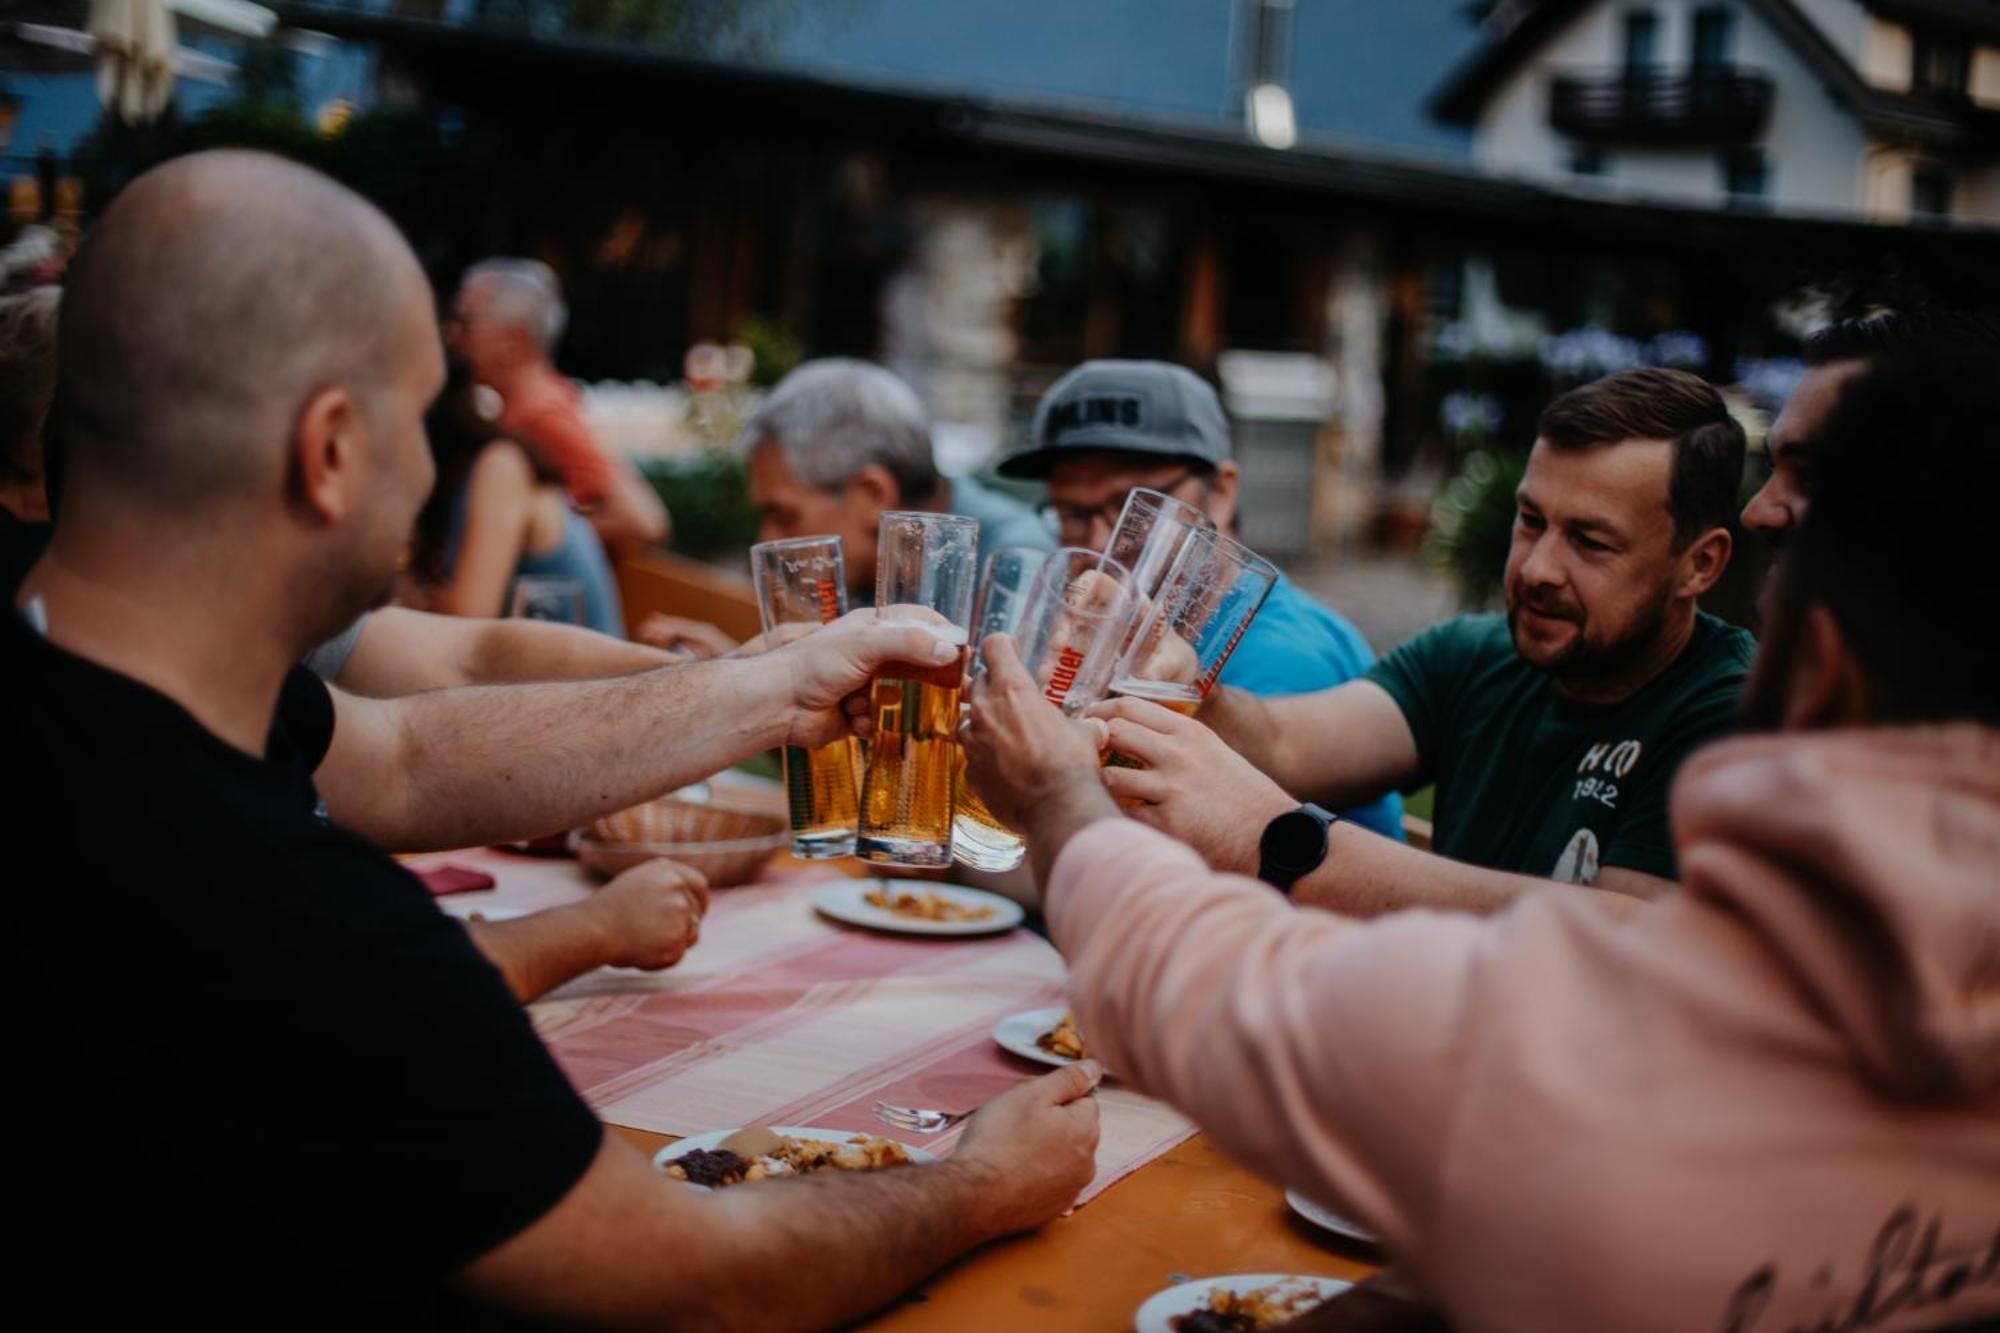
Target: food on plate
point(758, 1153)
point(1063, 1039)
point(928, 905)
point(1245, 1312)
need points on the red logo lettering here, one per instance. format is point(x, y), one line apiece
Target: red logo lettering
point(1063, 676)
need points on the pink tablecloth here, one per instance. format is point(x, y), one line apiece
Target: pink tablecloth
point(780, 1016)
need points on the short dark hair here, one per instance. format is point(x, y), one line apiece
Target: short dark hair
point(27, 378)
point(1898, 541)
point(1854, 339)
point(1669, 405)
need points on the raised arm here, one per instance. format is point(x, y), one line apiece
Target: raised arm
point(455, 768)
point(1196, 788)
point(1340, 747)
point(629, 1249)
point(402, 651)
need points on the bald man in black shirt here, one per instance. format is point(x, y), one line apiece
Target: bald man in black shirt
point(287, 1091)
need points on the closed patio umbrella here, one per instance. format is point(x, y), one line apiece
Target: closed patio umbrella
point(135, 56)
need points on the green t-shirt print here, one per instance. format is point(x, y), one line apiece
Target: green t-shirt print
point(1531, 782)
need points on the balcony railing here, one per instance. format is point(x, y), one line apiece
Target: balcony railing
point(1700, 106)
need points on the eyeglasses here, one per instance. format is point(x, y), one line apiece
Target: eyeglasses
point(1073, 522)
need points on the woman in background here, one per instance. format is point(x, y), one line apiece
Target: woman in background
point(495, 516)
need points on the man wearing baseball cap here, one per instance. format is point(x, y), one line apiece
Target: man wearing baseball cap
point(1109, 427)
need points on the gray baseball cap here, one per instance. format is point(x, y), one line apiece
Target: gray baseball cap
point(1138, 407)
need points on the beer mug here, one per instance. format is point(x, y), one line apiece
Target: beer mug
point(1072, 613)
point(1194, 623)
point(926, 570)
point(803, 581)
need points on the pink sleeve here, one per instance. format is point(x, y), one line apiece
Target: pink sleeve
point(1324, 1053)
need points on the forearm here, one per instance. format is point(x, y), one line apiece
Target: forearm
point(496, 763)
point(540, 952)
point(510, 651)
point(1366, 875)
point(1214, 994)
point(895, 1227)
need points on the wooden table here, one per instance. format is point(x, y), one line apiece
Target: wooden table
point(1193, 1213)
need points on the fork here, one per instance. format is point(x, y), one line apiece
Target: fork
point(917, 1120)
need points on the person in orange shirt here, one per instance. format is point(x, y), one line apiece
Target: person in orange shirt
point(504, 325)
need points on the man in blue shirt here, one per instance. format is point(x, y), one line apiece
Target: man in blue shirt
point(1109, 427)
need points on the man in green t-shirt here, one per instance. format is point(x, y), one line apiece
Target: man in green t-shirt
point(1552, 732)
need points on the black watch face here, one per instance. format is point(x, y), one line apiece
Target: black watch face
point(1294, 841)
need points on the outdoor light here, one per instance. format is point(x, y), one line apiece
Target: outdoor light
point(1269, 111)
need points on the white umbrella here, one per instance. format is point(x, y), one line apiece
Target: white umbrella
point(135, 56)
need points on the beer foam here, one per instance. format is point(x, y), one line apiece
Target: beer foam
point(954, 635)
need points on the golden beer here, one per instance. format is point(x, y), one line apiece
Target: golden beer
point(906, 788)
point(977, 838)
point(823, 789)
point(1183, 699)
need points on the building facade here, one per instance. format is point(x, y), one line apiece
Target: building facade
point(1887, 110)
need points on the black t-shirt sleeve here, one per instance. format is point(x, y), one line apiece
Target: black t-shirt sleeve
point(465, 1131)
point(302, 730)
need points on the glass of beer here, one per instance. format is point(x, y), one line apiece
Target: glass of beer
point(1194, 623)
point(1152, 529)
point(1071, 615)
point(803, 582)
point(926, 569)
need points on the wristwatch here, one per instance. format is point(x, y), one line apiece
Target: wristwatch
point(1293, 845)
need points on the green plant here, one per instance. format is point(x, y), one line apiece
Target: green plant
point(709, 498)
point(1472, 523)
point(776, 352)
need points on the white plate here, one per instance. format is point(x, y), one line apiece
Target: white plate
point(1160, 1308)
point(682, 1147)
point(1326, 1217)
point(452, 905)
point(1017, 1033)
point(845, 900)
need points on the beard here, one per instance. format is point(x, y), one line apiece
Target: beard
point(1588, 656)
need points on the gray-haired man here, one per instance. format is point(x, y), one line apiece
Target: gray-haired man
point(505, 323)
point(838, 443)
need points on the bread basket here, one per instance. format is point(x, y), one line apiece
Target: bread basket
point(727, 837)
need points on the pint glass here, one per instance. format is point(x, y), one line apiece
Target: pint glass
point(1194, 623)
point(926, 568)
point(802, 581)
point(1071, 616)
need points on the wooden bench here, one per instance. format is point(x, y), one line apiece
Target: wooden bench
point(660, 581)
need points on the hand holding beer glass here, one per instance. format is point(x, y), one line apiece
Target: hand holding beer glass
point(1071, 617)
point(927, 566)
point(802, 582)
point(1207, 601)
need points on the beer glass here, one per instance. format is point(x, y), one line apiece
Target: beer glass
point(1194, 623)
point(1152, 529)
point(926, 569)
point(803, 581)
point(1073, 613)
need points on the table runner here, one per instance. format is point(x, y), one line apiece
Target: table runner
point(780, 1016)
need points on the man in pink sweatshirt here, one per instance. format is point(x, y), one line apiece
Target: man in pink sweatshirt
point(1770, 1102)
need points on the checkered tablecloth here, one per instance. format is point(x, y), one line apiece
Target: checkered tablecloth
point(780, 1016)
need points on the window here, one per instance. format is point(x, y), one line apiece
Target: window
point(1712, 25)
point(1587, 160)
point(1642, 31)
point(1930, 192)
point(1939, 64)
point(1745, 174)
